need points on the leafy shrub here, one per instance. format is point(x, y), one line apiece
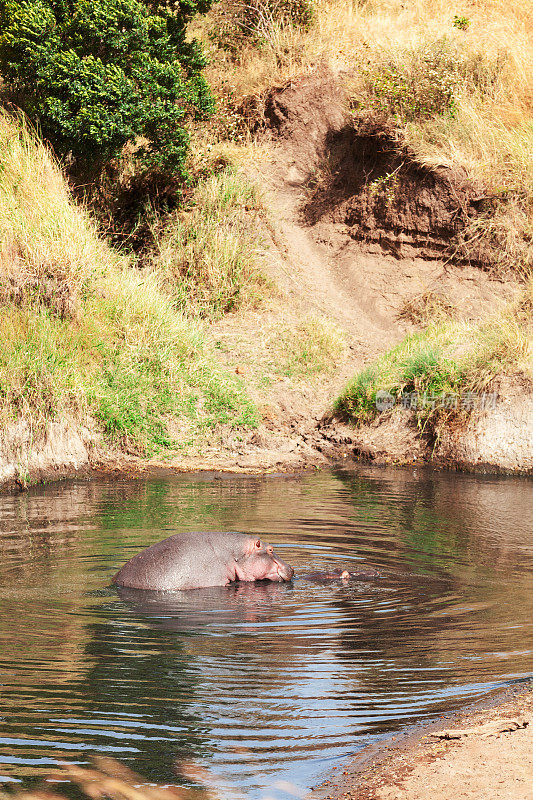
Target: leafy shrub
point(419, 83)
point(422, 85)
point(95, 74)
point(461, 23)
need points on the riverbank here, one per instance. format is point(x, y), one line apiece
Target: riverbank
point(329, 248)
point(129, 383)
point(483, 751)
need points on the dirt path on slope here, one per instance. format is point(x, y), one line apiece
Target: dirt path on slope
point(323, 275)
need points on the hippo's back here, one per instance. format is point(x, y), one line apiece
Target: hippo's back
point(183, 561)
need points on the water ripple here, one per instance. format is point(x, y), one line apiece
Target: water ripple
point(262, 683)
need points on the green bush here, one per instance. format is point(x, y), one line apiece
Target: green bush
point(461, 23)
point(423, 84)
point(96, 74)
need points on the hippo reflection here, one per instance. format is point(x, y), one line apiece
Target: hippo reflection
point(223, 607)
point(200, 560)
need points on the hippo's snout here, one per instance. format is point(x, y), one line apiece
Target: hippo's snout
point(285, 572)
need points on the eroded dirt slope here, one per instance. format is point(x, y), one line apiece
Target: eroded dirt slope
point(346, 253)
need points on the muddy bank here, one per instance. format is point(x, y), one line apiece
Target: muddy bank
point(358, 230)
point(478, 753)
point(496, 439)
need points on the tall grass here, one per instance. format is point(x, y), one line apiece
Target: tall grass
point(48, 246)
point(85, 335)
point(449, 96)
point(130, 362)
point(209, 256)
point(348, 34)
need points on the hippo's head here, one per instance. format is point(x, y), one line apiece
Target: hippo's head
point(259, 562)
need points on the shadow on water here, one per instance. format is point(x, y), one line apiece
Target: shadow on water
point(259, 682)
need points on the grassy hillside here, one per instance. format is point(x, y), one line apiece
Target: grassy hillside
point(86, 336)
point(94, 337)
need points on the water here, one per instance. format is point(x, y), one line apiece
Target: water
point(261, 683)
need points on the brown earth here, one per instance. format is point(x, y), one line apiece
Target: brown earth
point(353, 256)
point(479, 754)
point(356, 232)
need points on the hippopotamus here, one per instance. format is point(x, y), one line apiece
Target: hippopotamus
point(197, 560)
point(339, 574)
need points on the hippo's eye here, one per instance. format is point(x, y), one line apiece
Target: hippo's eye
point(258, 544)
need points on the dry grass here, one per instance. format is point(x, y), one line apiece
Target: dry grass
point(428, 307)
point(49, 249)
point(107, 779)
point(209, 257)
point(309, 347)
point(84, 334)
point(347, 34)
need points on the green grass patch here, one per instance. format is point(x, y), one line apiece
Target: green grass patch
point(130, 362)
point(446, 359)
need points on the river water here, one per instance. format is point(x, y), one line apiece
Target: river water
point(262, 683)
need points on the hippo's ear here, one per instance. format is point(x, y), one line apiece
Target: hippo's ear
point(253, 544)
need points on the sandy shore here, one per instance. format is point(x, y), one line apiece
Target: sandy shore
point(479, 754)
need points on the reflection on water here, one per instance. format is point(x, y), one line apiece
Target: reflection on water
point(260, 682)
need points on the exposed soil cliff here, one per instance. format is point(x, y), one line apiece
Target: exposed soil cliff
point(358, 229)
